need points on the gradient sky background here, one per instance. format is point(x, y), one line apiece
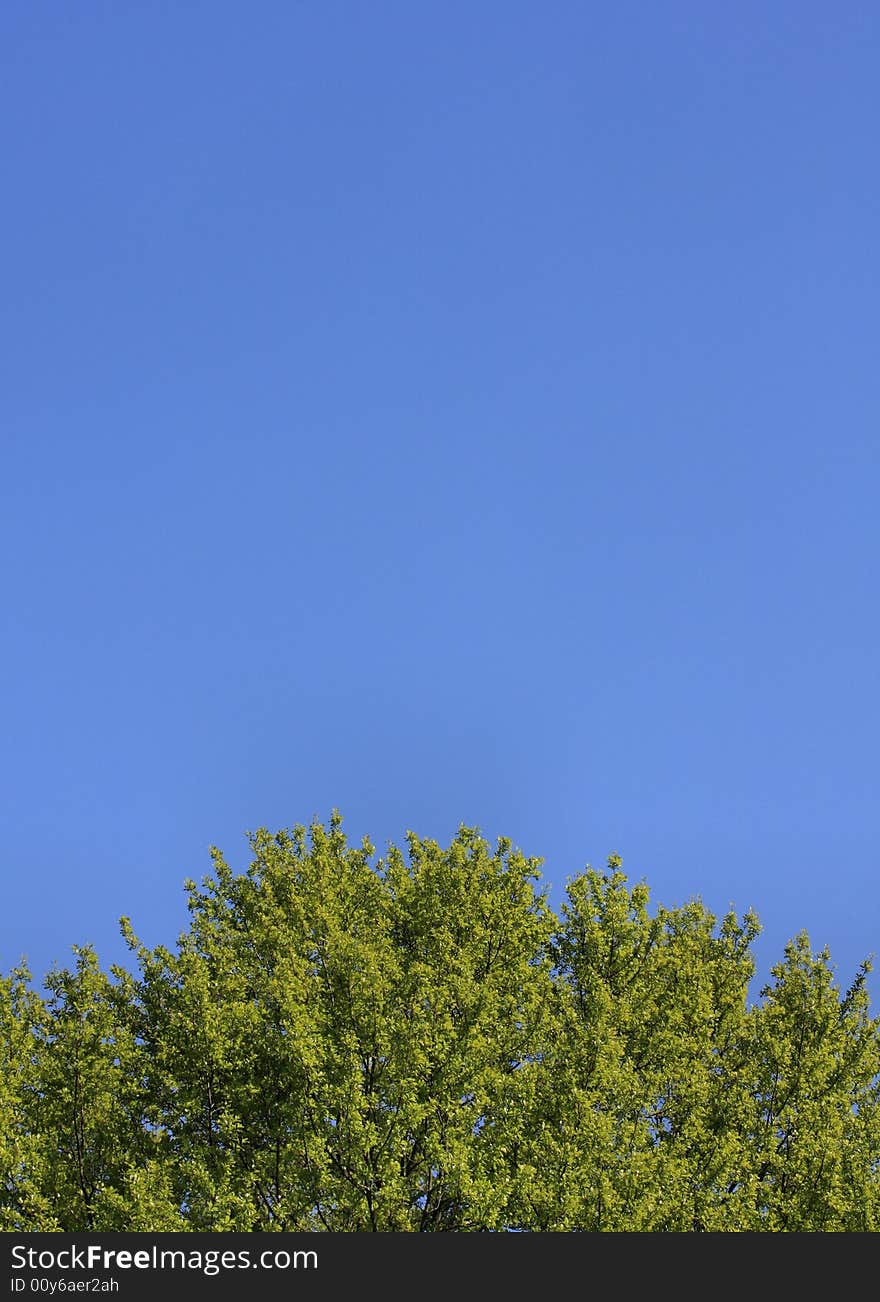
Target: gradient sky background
point(449, 412)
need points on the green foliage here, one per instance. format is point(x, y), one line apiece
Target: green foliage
point(417, 1043)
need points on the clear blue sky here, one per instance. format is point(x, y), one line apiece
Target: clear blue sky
point(449, 412)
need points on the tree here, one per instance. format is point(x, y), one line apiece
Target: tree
point(23, 1176)
point(416, 1042)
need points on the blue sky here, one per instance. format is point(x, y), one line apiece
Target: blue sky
point(446, 413)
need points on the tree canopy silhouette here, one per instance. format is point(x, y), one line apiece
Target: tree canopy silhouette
point(417, 1042)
